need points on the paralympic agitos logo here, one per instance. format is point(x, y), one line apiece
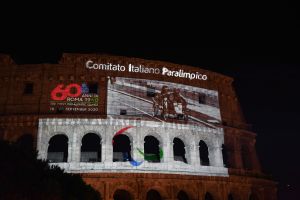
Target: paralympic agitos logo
point(146, 157)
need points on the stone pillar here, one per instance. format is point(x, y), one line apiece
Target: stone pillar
point(76, 147)
point(168, 150)
point(195, 156)
point(108, 146)
point(42, 143)
point(187, 155)
point(69, 151)
point(102, 150)
point(103, 144)
point(138, 143)
point(43, 150)
point(132, 148)
point(215, 156)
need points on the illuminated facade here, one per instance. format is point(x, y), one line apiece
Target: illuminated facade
point(134, 128)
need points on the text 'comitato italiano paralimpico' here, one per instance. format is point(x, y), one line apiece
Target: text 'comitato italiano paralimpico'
point(144, 69)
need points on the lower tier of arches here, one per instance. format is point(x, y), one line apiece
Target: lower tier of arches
point(115, 186)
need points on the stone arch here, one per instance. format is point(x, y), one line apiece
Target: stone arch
point(209, 196)
point(153, 194)
point(189, 187)
point(188, 143)
point(182, 195)
point(179, 150)
point(253, 196)
point(186, 140)
point(91, 148)
point(64, 131)
point(204, 153)
point(44, 138)
point(58, 148)
point(100, 134)
point(126, 188)
point(121, 194)
point(152, 149)
point(122, 148)
point(162, 191)
point(130, 134)
point(157, 136)
point(26, 141)
point(208, 139)
point(121, 156)
point(232, 195)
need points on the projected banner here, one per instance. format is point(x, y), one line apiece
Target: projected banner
point(74, 97)
point(132, 98)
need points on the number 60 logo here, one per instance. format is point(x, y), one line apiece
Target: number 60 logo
point(60, 93)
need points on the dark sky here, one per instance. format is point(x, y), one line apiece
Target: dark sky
point(267, 83)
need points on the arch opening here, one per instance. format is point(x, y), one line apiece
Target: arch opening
point(153, 195)
point(208, 196)
point(182, 195)
point(25, 142)
point(225, 156)
point(253, 197)
point(179, 150)
point(90, 148)
point(230, 197)
point(122, 195)
point(121, 148)
point(151, 149)
point(203, 150)
point(58, 149)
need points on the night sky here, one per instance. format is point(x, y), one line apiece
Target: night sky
point(267, 84)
